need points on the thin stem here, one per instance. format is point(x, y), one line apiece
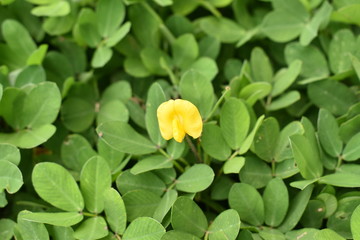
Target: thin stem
point(273, 167)
point(193, 149)
point(164, 30)
point(227, 89)
point(234, 154)
point(178, 166)
point(211, 8)
point(88, 214)
point(339, 162)
point(164, 153)
point(183, 161)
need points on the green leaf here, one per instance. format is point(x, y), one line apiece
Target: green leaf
point(188, 217)
point(109, 15)
point(281, 26)
point(140, 203)
point(165, 204)
point(283, 150)
point(178, 235)
point(245, 146)
point(355, 223)
point(115, 212)
point(6, 228)
point(195, 88)
point(118, 35)
point(255, 91)
point(155, 60)
point(342, 45)
point(86, 27)
point(120, 90)
point(284, 101)
point(175, 149)
point(246, 200)
point(349, 128)
point(306, 157)
point(195, 179)
point(313, 214)
point(124, 138)
point(127, 182)
point(54, 9)
point(276, 202)
point(327, 234)
point(151, 163)
point(30, 74)
point(331, 95)
point(328, 131)
point(185, 50)
point(56, 26)
point(350, 180)
point(75, 151)
point(255, 172)
point(302, 184)
point(266, 139)
point(285, 77)
point(234, 165)
point(271, 234)
point(286, 169)
point(297, 208)
point(330, 202)
point(261, 68)
point(101, 56)
point(112, 111)
point(314, 61)
point(11, 178)
point(347, 14)
point(37, 57)
point(61, 233)
point(92, 228)
point(10, 153)
point(214, 143)
point(77, 114)
point(206, 66)
point(226, 226)
point(41, 105)
point(29, 138)
point(144, 228)
point(234, 122)
point(155, 97)
point(352, 149)
point(64, 219)
point(95, 178)
point(31, 230)
point(18, 38)
point(319, 20)
point(223, 29)
point(55, 185)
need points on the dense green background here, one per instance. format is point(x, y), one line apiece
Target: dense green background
point(276, 83)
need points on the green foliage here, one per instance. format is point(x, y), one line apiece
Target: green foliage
point(276, 83)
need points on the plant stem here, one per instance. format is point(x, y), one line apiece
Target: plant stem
point(227, 89)
point(193, 149)
point(211, 8)
point(88, 214)
point(164, 30)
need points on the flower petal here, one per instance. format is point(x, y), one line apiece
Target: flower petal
point(166, 115)
point(178, 130)
point(189, 117)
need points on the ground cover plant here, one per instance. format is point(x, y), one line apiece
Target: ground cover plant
point(265, 143)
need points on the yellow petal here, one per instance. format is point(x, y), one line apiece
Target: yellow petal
point(166, 115)
point(189, 117)
point(178, 130)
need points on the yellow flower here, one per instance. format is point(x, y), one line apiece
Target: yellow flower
point(178, 117)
